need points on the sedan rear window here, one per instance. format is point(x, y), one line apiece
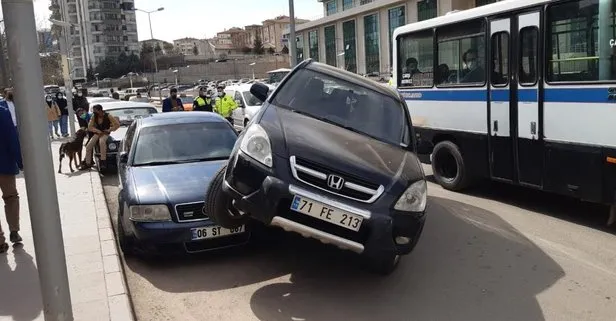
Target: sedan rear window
point(344, 104)
point(184, 143)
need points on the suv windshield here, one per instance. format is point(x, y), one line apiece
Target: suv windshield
point(184, 143)
point(345, 104)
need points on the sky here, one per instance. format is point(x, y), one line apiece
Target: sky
point(201, 18)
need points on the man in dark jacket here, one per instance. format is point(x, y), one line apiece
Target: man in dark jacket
point(10, 165)
point(63, 105)
point(172, 103)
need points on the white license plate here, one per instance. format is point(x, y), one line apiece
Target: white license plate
point(210, 232)
point(326, 213)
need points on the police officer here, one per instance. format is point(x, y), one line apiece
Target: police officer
point(204, 101)
point(224, 104)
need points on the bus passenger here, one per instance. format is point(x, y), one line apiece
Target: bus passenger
point(473, 73)
point(442, 74)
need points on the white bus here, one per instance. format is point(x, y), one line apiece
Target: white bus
point(544, 116)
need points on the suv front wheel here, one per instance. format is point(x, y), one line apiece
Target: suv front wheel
point(219, 206)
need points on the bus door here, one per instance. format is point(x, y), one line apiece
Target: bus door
point(501, 108)
point(530, 124)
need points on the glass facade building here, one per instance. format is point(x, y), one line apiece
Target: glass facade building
point(371, 42)
point(330, 45)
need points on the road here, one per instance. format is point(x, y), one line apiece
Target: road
point(494, 253)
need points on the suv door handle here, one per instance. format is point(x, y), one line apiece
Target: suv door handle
point(495, 126)
point(533, 128)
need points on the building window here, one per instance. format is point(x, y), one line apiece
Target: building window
point(426, 9)
point(396, 19)
point(331, 7)
point(371, 39)
point(313, 44)
point(347, 4)
point(578, 36)
point(365, 1)
point(350, 47)
point(300, 47)
point(479, 3)
point(330, 45)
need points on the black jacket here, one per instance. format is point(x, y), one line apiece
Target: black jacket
point(62, 104)
point(80, 102)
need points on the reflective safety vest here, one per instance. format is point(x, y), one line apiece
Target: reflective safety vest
point(225, 106)
point(391, 82)
point(202, 104)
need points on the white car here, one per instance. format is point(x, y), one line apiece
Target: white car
point(247, 103)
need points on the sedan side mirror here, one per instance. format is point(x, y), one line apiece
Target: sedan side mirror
point(123, 158)
point(259, 91)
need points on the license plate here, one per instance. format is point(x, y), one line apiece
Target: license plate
point(210, 232)
point(326, 213)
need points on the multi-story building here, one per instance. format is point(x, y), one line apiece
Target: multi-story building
point(186, 46)
point(46, 42)
point(232, 41)
point(101, 29)
point(273, 30)
point(254, 32)
point(356, 34)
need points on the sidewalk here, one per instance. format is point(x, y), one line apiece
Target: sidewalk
point(98, 291)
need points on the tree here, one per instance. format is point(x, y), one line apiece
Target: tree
point(90, 73)
point(271, 51)
point(257, 46)
point(169, 48)
point(285, 50)
point(195, 50)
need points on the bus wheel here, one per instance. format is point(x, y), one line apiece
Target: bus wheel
point(448, 166)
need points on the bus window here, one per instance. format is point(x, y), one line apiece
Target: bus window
point(415, 59)
point(528, 56)
point(500, 59)
point(579, 41)
point(462, 48)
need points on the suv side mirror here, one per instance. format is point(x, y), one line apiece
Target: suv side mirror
point(123, 158)
point(259, 91)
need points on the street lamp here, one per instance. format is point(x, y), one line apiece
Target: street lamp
point(176, 77)
point(253, 70)
point(68, 79)
point(96, 75)
point(152, 37)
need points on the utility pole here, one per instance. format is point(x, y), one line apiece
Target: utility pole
point(68, 78)
point(292, 38)
point(38, 166)
point(4, 72)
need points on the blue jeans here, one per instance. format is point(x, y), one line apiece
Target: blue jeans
point(52, 126)
point(64, 124)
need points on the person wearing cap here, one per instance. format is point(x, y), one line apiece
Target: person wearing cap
point(204, 101)
point(225, 104)
point(172, 103)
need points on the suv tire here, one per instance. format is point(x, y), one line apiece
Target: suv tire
point(385, 265)
point(448, 167)
point(218, 204)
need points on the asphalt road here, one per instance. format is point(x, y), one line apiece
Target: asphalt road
point(494, 253)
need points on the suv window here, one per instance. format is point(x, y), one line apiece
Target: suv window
point(344, 104)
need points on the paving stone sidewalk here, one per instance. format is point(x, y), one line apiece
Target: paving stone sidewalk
point(98, 290)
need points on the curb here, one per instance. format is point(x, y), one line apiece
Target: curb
point(118, 298)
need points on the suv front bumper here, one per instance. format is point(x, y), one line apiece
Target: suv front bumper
point(269, 202)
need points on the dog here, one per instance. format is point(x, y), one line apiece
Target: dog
point(73, 149)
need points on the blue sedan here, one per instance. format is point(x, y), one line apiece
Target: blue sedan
point(165, 165)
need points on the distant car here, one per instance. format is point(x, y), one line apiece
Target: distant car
point(166, 163)
point(142, 99)
point(331, 156)
point(247, 103)
point(98, 100)
point(187, 102)
point(126, 112)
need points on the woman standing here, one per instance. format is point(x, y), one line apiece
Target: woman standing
point(63, 106)
point(53, 114)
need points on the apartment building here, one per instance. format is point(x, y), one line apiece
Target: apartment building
point(232, 41)
point(101, 29)
point(186, 46)
point(254, 32)
point(274, 29)
point(163, 45)
point(356, 34)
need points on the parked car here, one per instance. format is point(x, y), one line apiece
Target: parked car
point(187, 102)
point(166, 162)
point(99, 100)
point(248, 105)
point(126, 112)
point(330, 155)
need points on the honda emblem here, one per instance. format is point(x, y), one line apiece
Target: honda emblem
point(335, 182)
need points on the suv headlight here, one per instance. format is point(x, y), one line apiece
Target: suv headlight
point(150, 213)
point(414, 199)
point(112, 146)
point(256, 144)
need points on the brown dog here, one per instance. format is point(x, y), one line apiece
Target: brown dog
point(72, 149)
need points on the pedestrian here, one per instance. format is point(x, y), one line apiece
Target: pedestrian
point(8, 95)
point(204, 101)
point(63, 105)
point(172, 103)
point(114, 94)
point(10, 165)
point(101, 124)
point(53, 116)
point(80, 101)
point(225, 105)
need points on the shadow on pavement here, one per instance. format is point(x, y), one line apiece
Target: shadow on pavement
point(559, 206)
point(20, 296)
point(468, 265)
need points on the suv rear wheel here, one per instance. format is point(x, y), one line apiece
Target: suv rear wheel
point(219, 206)
point(448, 166)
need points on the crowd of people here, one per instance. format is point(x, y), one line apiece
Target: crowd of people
point(221, 103)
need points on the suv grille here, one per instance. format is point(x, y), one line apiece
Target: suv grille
point(188, 212)
point(335, 182)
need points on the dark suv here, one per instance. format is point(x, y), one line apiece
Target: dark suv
point(329, 155)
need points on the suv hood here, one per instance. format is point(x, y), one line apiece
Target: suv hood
point(345, 151)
